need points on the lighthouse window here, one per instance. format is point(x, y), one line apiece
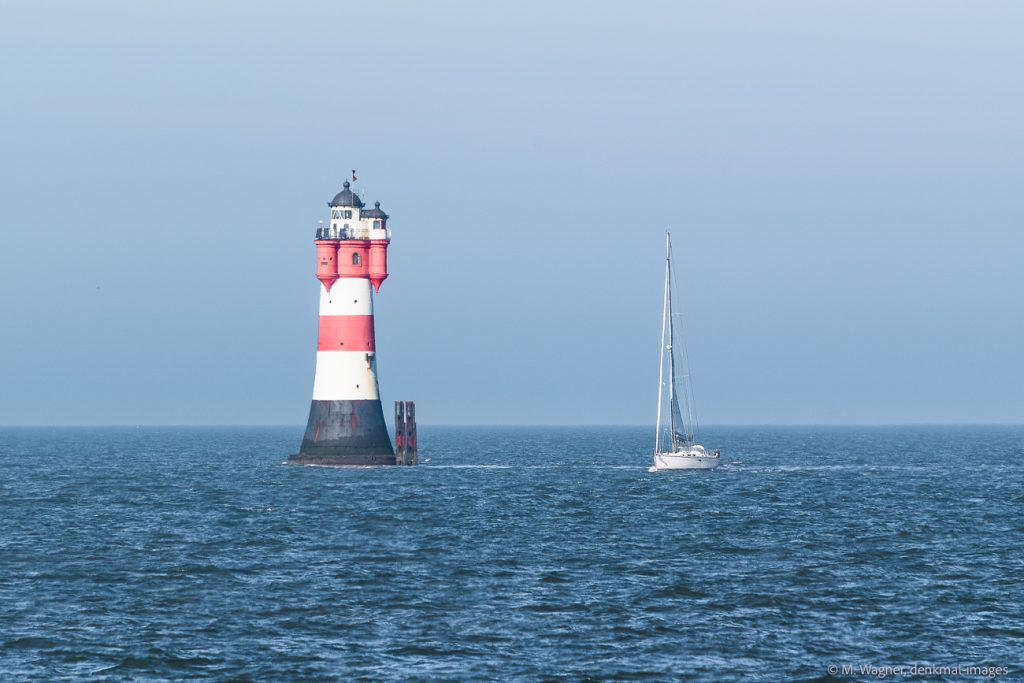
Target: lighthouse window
point(355, 258)
point(376, 224)
point(348, 214)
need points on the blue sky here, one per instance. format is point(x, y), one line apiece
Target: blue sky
point(843, 182)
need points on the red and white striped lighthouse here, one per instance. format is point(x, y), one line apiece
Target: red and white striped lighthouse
point(346, 421)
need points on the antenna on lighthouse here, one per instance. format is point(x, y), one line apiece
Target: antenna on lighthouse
point(359, 191)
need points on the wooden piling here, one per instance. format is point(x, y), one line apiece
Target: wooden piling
point(406, 449)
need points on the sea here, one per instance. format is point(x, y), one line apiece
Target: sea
point(513, 554)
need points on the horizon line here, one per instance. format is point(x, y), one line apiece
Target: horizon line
point(520, 425)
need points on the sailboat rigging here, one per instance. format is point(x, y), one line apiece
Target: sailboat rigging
point(675, 445)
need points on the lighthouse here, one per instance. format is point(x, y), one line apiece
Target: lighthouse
point(346, 420)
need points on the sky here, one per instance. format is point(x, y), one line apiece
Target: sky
point(843, 182)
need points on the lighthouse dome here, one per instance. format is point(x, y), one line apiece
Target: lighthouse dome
point(347, 198)
point(375, 212)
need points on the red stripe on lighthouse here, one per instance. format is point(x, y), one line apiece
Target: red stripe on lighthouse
point(346, 333)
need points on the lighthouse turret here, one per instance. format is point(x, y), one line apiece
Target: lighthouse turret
point(380, 236)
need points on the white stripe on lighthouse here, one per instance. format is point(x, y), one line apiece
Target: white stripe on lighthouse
point(348, 296)
point(345, 376)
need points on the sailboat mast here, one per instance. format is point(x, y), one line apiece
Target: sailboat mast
point(671, 345)
point(661, 358)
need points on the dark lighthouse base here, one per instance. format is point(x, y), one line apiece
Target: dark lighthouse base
point(345, 433)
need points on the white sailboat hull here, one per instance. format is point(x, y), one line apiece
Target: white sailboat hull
point(689, 459)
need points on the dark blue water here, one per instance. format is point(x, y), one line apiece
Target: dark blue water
point(155, 554)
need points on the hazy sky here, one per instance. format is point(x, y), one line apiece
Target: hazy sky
point(844, 182)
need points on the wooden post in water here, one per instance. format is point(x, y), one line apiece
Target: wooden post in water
point(406, 451)
point(399, 433)
point(411, 444)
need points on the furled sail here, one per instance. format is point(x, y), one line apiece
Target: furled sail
point(684, 418)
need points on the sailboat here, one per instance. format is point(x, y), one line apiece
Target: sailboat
point(675, 444)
